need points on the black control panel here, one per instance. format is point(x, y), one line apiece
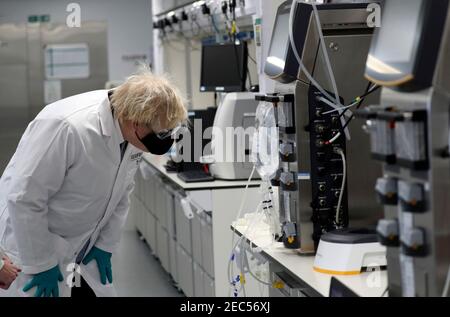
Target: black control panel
point(327, 170)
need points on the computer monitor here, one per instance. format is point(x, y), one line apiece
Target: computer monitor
point(200, 121)
point(224, 67)
point(405, 49)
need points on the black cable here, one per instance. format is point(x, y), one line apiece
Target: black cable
point(347, 123)
point(249, 77)
point(368, 92)
point(363, 98)
point(252, 59)
point(385, 292)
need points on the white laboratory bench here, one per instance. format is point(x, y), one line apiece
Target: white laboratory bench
point(193, 248)
point(300, 269)
point(158, 163)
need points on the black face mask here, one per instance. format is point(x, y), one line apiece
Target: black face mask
point(156, 145)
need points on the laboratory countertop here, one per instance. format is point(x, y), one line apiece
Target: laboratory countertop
point(301, 268)
point(158, 163)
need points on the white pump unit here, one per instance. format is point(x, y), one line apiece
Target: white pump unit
point(350, 252)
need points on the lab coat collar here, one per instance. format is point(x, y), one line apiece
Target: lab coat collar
point(119, 131)
point(109, 125)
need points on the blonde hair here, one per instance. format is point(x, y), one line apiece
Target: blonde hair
point(150, 100)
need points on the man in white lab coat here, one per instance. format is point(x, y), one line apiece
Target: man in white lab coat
point(64, 197)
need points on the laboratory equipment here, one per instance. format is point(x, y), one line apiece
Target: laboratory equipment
point(324, 181)
point(224, 67)
point(350, 252)
point(409, 57)
point(231, 137)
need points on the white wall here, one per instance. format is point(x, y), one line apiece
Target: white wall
point(129, 25)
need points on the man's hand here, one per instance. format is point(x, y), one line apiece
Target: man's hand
point(103, 259)
point(8, 273)
point(46, 283)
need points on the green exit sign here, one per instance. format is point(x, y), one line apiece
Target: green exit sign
point(45, 18)
point(33, 19)
point(39, 18)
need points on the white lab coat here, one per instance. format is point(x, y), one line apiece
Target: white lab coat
point(1, 259)
point(64, 186)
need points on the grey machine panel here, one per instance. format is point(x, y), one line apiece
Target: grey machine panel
point(348, 62)
point(419, 256)
point(348, 40)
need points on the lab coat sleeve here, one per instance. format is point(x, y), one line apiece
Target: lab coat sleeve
point(111, 233)
point(2, 263)
point(45, 153)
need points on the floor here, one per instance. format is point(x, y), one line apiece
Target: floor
point(137, 273)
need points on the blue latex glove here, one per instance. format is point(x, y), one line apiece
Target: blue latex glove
point(103, 259)
point(46, 283)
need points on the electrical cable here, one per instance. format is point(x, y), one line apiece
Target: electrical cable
point(200, 29)
point(325, 52)
point(194, 21)
point(368, 92)
point(249, 77)
point(338, 109)
point(227, 19)
point(344, 179)
point(252, 59)
point(297, 56)
point(303, 67)
point(234, 246)
point(244, 259)
point(332, 105)
point(345, 126)
point(253, 247)
point(213, 22)
point(385, 292)
point(245, 254)
point(357, 102)
point(258, 217)
point(239, 215)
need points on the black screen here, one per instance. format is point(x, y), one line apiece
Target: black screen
point(337, 289)
point(197, 134)
point(224, 67)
